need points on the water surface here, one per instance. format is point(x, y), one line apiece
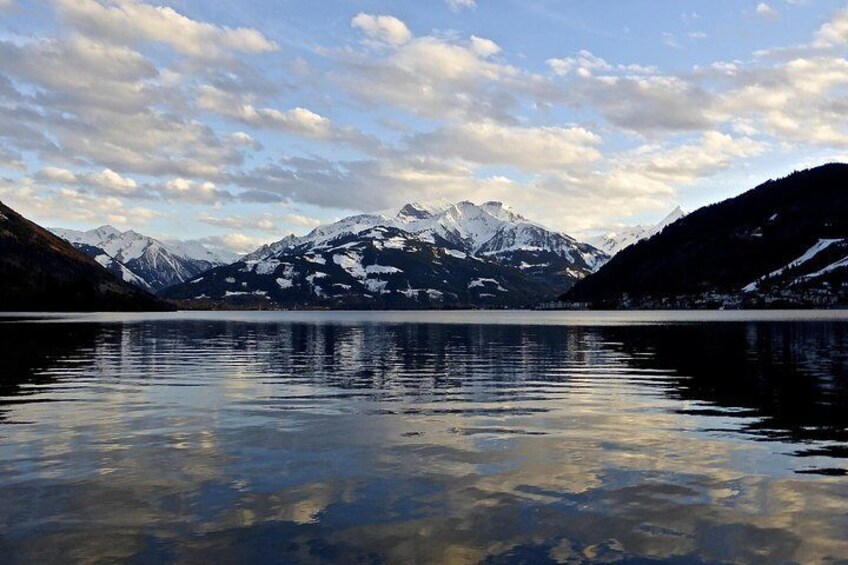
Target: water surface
point(455, 437)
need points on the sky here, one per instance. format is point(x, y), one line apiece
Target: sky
point(236, 122)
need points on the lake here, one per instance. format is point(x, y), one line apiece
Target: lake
point(455, 437)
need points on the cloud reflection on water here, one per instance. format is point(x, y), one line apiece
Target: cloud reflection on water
point(220, 440)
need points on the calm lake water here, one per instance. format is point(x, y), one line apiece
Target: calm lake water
point(425, 437)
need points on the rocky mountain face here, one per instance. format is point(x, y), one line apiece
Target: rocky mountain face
point(613, 242)
point(447, 255)
point(42, 272)
point(784, 243)
point(142, 260)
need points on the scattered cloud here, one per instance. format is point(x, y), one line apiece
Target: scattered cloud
point(134, 21)
point(528, 149)
point(265, 222)
point(55, 206)
point(295, 121)
point(163, 111)
point(438, 77)
point(194, 192)
point(235, 242)
point(387, 29)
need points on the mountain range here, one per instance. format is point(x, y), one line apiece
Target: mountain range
point(42, 272)
point(442, 255)
point(783, 243)
point(142, 260)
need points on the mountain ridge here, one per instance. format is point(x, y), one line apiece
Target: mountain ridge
point(782, 243)
point(613, 242)
point(379, 258)
point(43, 272)
point(140, 259)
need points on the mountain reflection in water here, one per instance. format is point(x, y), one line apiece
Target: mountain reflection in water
point(227, 440)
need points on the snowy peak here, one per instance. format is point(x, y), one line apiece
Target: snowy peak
point(466, 225)
point(462, 254)
point(613, 242)
point(272, 249)
point(672, 217)
point(139, 259)
point(413, 211)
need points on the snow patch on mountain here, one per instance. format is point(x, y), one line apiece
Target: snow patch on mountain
point(412, 256)
point(808, 255)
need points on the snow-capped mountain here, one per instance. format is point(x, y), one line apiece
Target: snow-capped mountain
point(42, 272)
point(143, 260)
point(443, 254)
point(613, 242)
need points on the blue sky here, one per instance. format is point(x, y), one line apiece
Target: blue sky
point(237, 122)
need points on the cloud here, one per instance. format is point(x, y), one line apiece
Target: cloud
point(163, 108)
point(834, 32)
point(263, 222)
point(295, 121)
point(111, 181)
point(55, 206)
point(111, 111)
point(301, 221)
point(765, 11)
point(194, 192)
point(106, 182)
point(457, 5)
point(484, 47)
point(387, 29)
point(796, 101)
point(439, 78)
point(122, 21)
point(526, 148)
point(237, 243)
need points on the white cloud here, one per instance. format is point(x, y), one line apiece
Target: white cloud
point(834, 32)
point(295, 121)
point(765, 11)
point(584, 63)
point(111, 181)
point(301, 221)
point(57, 174)
point(529, 149)
point(123, 125)
point(110, 111)
point(56, 206)
point(236, 242)
point(388, 29)
point(263, 222)
point(106, 182)
point(457, 5)
point(194, 192)
point(133, 20)
point(484, 47)
point(439, 78)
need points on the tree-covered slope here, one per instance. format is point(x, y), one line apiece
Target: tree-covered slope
point(746, 247)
